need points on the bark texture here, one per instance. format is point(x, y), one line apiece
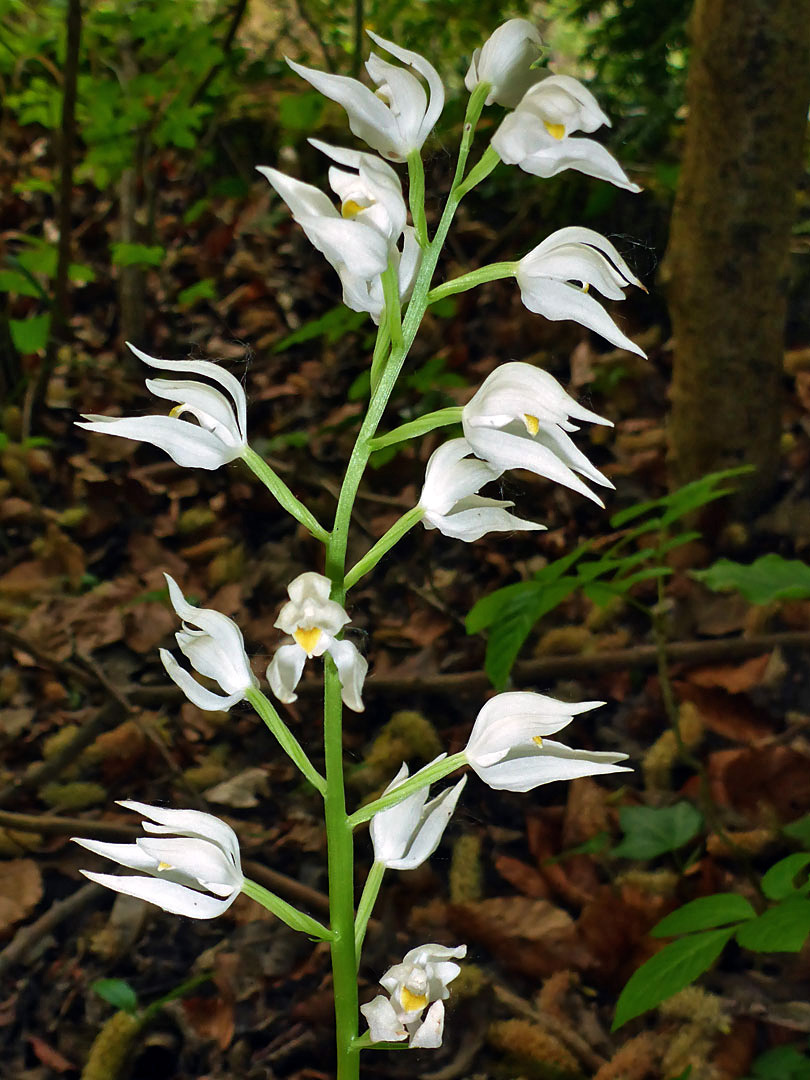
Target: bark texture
point(747, 93)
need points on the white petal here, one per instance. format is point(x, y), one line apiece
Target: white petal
point(558, 300)
point(304, 200)
point(383, 1024)
point(284, 671)
point(197, 859)
point(129, 855)
point(392, 829)
point(370, 119)
point(211, 371)
point(197, 695)
point(188, 823)
point(187, 444)
point(507, 451)
point(506, 61)
point(350, 244)
point(428, 73)
point(310, 586)
point(517, 717)
point(174, 898)
point(204, 401)
point(529, 767)
point(451, 475)
point(427, 1034)
point(475, 516)
point(579, 236)
point(352, 668)
point(436, 817)
point(582, 155)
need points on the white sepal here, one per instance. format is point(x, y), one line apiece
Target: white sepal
point(407, 834)
point(505, 62)
point(519, 419)
point(399, 116)
point(508, 748)
point(450, 501)
point(214, 646)
point(537, 135)
point(196, 872)
point(220, 432)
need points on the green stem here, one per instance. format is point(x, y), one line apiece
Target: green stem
point(493, 272)
point(286, 912)
point(416, 196)
point(340, 856)
point(480, 171)
point(384, 544)
point(273, 482)
point(422, 779)
point(366, 905)
point(414, 428)
point(285, 738)
point(471, 118)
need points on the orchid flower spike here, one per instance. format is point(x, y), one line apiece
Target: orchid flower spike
point(420, 982)
point(220, 432)
point(509, 751)
point(449, 498)
point(215, 649)
point(537, 135)
point(362, 238)
point(505, 62)
point(406, 835)
point(518, 419)
point(554, 279)
point(395, 119)
point(314, 621)
point(191, 862)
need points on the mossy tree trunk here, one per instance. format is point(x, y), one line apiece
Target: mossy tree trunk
point(747, 95)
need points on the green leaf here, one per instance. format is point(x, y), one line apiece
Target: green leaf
point(781, 1063)
point(421, 426)
point(300, 112)
point(767, 579)
point(137, 254)
point(799, 830)
point(30, 335)
point(80, 274)
point(507, 635)
point(117, 993)
point(650, 832)
point(783, 928)
point(12, 281)
point(779, 882)
point(704, 914)
point(333, 325)
point(202, 290)
point(676, 966)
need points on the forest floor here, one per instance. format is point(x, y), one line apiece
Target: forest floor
point(88, 717)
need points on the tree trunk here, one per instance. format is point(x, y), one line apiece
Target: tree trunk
point(747, 93)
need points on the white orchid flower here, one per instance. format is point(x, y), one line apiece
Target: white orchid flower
point(537, 135)
point(509, 751)
point(218, 436)
point(449, 498)
point(574, 254)
point(215, 649)
point(406, 835)
point(505, 62)
point(420, 982)
point(395, 119)
point(362, 238)
point(314, 621)
point(191, 862)
point(518, 419)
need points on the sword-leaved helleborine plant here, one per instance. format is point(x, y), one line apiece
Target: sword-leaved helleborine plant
point(386, 253)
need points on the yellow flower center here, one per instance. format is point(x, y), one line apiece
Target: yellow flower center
point(384, 94)
point(178, 410)
point(307, 638)
point(164, 866)
point(411, 1002)
point(532, 423)
point(556, 131)
point(350, 209)
point(538, 739)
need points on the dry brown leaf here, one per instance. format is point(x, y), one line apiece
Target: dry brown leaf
point(527, 935)
point(523, 877)
point(763, 783)
point(240, 791)
point(20, 890)
point(211, 1018)
point(48, 1056)
point(732, 716)
point(735, 678)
